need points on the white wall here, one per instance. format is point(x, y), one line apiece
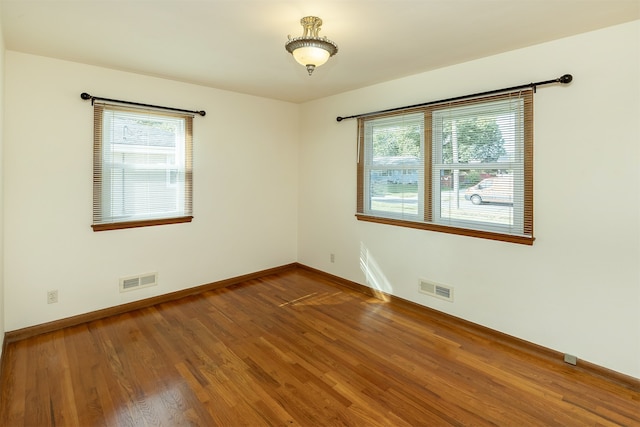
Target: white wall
point(245, 190)
point(577, 289)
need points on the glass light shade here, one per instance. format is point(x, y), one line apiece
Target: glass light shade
point(311, 55)
point(309, 49)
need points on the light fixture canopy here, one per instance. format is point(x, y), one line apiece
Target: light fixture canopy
point(310, 49)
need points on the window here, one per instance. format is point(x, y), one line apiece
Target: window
point(142, 167)
point(460, 167)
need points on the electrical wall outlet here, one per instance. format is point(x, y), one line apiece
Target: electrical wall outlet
point(52, 296)
point(332, 257)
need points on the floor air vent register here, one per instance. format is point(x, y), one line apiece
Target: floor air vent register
point(436, 290)
point(136, 282)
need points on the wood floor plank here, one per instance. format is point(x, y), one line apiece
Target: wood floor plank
point(295, 349)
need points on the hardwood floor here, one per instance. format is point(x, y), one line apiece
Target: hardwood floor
point(295, 349)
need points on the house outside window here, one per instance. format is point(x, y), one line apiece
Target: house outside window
point(463, 167)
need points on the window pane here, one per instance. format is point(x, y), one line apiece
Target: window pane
point(138, 192)
point(488, 132)
point(140, 149)
point(394, 165)
point(485, 196)
point(394, 191)
point(401, 139)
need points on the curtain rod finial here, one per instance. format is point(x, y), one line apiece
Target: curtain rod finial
point(567, 78)
point(85, 95)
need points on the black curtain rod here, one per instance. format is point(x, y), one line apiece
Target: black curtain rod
point(85, 95)
point(564, 80)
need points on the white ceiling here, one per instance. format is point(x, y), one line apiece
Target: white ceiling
point(238, 45)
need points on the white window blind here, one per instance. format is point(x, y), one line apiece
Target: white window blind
point(142, 167)
point(478, 157)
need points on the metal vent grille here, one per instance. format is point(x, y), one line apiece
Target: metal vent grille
point(436, 290)
point(130, 283)
point(148, 280)
point(136, 282)
point(443, 292)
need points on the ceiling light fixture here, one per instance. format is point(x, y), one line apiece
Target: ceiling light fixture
point(309, 49)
